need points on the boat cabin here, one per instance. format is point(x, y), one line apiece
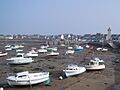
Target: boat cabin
point(20, 55)
point(72, 67)
point(97, 61)
point(22, 74)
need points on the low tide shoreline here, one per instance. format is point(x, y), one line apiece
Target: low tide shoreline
point(94, 80)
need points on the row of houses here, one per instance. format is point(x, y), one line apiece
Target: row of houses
point(86, 37)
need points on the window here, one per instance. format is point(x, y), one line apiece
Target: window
point(22, 76)
point(101, 63)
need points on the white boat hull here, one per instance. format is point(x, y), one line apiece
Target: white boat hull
point(8, 49)
point(53, 54)
point(52, 49)
point(93, 67)
point(19, 50)
point(69, 73)
point(70, 52)
point(42, 51)
point(20, 61)
point(7, 46)
point(31, 55)
point(29, 80)
point(3, 54)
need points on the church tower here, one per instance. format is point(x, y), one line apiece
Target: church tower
point(108, 38)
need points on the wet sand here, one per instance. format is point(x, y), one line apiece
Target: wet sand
point(90, 80)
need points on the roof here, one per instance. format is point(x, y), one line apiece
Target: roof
point(23, 73)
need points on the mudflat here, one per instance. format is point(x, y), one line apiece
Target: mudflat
point(90, 80)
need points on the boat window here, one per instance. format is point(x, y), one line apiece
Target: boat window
point(19, 55)
point(92, 63)
point(70, 69)
point(15, 75)
point(101, 63)
point(22, 76)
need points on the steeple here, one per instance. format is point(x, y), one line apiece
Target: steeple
point(109, 29)
point(109, 35)
point(109, 39)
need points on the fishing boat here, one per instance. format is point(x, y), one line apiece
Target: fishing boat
point(104, 49)
point(8, 49)
point(31, 53)
point(87, 46)
point(44, 46)
point(42, 50)
point(73, 70)
point(52, 49)
point(70, 50)
point(3, 54)
point(96, 64)
point(19, 50)
point(63, 45)
point(7, 46)
point(14, 47)
point(98, 49)
point(79, 48)
point(20, 46)
point(19, 59)
point(52, 53)
point(27, 78)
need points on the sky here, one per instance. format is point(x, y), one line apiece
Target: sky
point(59, 16)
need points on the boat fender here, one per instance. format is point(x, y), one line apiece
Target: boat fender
point(61, 78)
point(48, 82)
point(1, 88)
